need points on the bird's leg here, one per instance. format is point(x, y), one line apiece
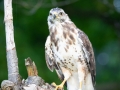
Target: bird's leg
point(80, 87)
point(66, 74)
point(81, 75)
point(81, 78)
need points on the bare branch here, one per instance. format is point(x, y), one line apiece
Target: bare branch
point(58, 4)
point(31, 67)
point(54, 2)
point(42, 3)
point(7, 85)
point(12, 60)
point(36, 7)
point(34, 82)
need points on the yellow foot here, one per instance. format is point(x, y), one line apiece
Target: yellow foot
point(80, 88)
point(57, 87)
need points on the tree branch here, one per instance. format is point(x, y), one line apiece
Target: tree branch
point(33, 82)
point(12, 60)
point(32, 8)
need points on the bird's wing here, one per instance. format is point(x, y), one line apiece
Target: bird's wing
point(48, 54)
point(89, 54)
point(50, 60)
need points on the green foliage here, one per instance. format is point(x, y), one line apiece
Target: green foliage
point(99, 21)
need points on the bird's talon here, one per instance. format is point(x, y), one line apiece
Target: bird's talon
point(54, 85)
point(57, 87)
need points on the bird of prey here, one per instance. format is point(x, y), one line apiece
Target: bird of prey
point(69, 52)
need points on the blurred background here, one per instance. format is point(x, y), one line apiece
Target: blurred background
point(99, 19)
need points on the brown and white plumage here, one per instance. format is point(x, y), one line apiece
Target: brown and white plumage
point(69, 51)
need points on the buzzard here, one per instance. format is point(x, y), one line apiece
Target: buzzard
point(69, 51)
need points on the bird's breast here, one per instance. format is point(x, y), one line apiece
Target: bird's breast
point(66, 53)
point(65, 46)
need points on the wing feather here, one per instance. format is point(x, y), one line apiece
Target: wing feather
point(50, 60)
point(89, 54)
point(48, 54)
point(87, 48)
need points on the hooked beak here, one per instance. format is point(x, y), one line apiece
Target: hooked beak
point(55, 16)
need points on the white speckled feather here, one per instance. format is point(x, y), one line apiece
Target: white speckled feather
point(69, 52)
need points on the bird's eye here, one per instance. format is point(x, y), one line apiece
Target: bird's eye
point(61, 13)
point(50, 14)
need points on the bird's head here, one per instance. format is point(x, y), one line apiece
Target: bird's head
point(57, 15)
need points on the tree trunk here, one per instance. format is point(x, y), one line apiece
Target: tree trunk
point(12, 60)
point(33, 82)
